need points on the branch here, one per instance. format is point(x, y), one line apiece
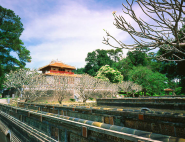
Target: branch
point(147, 35)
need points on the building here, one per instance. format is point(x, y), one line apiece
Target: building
point(57, 68)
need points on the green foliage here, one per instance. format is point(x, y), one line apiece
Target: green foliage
point(124, 66)
point(72, 100)
point(137, 58)
point(95, 60)
point(91, 99)
point(10, 32)
point(108, 73)
point(178, 90)
point(152, 82)
point(79, 71)
point(115, 55)
point(174, 69)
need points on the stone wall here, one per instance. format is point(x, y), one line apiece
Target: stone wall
point(65, 128)
point(172, 124)
point(153, 102)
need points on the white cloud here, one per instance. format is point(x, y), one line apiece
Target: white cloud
point(66, 31)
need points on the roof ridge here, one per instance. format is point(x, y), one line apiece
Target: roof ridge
point(53, 62)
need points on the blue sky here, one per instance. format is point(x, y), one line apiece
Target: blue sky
point(66, 29)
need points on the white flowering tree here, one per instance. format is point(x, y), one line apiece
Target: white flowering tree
point(62, 87)
point(130, 87)
point(86, 86)
point(27, 82)
point(114, 89)
point(109, 74)
point(16, 79)
point(104, 88)
point(35, 86)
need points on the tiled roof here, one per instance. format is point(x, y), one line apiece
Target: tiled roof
point(70, 75)
point(58, 64)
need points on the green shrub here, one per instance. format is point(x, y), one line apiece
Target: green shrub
point(91, 99)
point(178, 90)
point(73, 100)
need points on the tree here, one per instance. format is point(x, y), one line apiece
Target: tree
point(166, 18)
point(104, 88)
point(109, 74)
point(10, 32)
point(130, 87)
point(151, 82)
point(79, 71)
point(124, 66)
point(137, 58)
point(34, 85)
point(113, 89)
point(115, 55)
point(61, 86)
point(174, 70)
point(95, 60)
point(86, 86)
point(27, 82)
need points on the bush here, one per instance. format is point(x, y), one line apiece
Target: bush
point(178, 90)
point(72, 100)
point(91, 99)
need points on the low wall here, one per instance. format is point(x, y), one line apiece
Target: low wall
point(159, 103)
point(65, 128)
point(172, 124)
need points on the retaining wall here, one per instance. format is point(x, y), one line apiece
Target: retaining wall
point(153, 102)
point(172, 124)
point(65, 128)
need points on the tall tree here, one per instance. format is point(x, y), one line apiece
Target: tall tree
point(10, 32)
point(95, 60)
point(124, 66)
point(175, 70)
point(79, 71)
point(137, 58)
point(116, 54)
point(151, 82)
point(166, 18)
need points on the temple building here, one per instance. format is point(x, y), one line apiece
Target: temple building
point(61, 69)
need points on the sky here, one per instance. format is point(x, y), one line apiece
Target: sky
point(66, 30)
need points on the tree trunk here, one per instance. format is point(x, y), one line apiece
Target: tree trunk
point(133, 95)
point(144, 90)
point(60, 100)
point(84, 100)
